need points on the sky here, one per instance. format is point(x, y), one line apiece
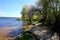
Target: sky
point(13, 8)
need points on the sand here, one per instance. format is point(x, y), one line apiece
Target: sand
point(4, 31)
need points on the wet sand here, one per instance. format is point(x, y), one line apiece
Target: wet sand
point(4, 31)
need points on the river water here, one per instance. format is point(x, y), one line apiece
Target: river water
point(11, 26)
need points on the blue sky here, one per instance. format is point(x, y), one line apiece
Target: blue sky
point(12, 8)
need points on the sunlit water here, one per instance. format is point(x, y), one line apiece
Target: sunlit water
point(13, 24)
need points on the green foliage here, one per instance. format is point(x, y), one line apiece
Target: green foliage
point(50, 20)
point(18, 19)
point(26, 36)
point(34, 18)
point(58, 17)
point(24, 13)
point(50, 11)
point(49, 14)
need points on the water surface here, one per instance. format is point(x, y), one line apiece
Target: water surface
point(10, 26)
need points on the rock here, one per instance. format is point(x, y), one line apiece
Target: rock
point(37, 24)
point(55, 37)
point(43, 33)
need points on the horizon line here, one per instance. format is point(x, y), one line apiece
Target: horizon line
point(10, 17)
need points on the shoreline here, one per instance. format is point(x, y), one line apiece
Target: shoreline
point(5, 30)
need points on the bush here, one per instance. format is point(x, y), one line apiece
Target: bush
point(26, 36)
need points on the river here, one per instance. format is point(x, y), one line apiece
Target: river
point(9, 27)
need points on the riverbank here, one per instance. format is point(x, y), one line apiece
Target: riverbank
point(40, 32)
point(4, 32)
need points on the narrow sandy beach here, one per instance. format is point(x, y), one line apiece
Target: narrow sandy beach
point(4, 31)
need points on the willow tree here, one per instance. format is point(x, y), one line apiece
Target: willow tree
point(50, 10)
point(24, 13)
